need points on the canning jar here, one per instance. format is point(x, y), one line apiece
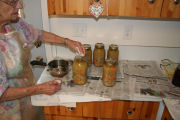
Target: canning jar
point(109, 73)
point(88, 54)
point(113, 52)
point(79, 70)
point(99, 55)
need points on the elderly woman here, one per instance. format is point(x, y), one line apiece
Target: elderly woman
point(16, 77)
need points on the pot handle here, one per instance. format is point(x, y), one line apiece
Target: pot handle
point(40, 63)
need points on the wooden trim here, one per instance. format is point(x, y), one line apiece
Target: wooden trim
point(149, 110)
point(166, 115)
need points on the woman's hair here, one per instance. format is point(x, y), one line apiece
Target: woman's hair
point(10, 2)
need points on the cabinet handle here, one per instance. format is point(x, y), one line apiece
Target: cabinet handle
point(151, 1)
point(71, 109)
point(176, 2)
point(129, 112)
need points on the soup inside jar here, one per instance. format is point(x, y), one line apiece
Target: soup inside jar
point(109, 73)
point(113, 52)
point(99, 55)
point(80, 70)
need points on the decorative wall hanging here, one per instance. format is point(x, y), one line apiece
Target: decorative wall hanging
point(96, 9)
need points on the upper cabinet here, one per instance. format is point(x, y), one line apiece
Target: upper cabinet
point(171, 9)
point(72, 7)
point(136, 8)
point(142, 8)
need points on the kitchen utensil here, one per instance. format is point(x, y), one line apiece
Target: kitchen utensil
point(93, 78)
point(57, 68)
point(169, 67)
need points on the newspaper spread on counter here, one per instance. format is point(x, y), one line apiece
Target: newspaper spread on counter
point(131, 84)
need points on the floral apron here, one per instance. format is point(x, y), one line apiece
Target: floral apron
point(16, 56)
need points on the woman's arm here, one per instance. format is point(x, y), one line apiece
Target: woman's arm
point(44, 88)
point(52, 38)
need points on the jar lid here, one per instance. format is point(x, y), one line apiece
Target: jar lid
point(87, 46)
point(113, 47)
point(80, 58)
point(99, 45)
point(110, 62)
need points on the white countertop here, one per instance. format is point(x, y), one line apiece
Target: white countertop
point(126, 88)
point(129, 86)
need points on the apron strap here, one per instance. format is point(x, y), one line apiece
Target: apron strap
point(11, 27)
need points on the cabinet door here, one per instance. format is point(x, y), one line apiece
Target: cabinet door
point(166, 115)
point(120, 109)
point(54, 110)
point(141, 8)
point(67, 111)
point(77, 111)
point(72, 7)
point(52, 117)
point(149, 110)
point(91, 109)
point(170, 9)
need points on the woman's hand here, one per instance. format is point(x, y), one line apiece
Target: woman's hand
point(49, 88)
point(75, 46)
point(53, 38)
point(45, 88)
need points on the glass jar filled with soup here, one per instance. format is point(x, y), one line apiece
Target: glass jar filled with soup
point(99, 55)
point(113, 52)
point(109, 73)
point(80, 67)
point(88, 54)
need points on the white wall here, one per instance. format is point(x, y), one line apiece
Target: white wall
point(150, 40)
point(144, 33)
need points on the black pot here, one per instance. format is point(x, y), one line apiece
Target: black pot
point(57, 68)
point(176, 77)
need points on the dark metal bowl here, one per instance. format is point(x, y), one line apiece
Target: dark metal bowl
point(58, 68)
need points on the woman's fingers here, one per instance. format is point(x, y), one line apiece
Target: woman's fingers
point(50, 87)
point(56, 84)
point(79, 48)
point(50, 91)
point(76, 46)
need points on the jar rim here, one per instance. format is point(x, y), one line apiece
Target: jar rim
point(80, 58)
point(87, 46)
point(99, 45)
point(113, 46)
point(110, 61)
